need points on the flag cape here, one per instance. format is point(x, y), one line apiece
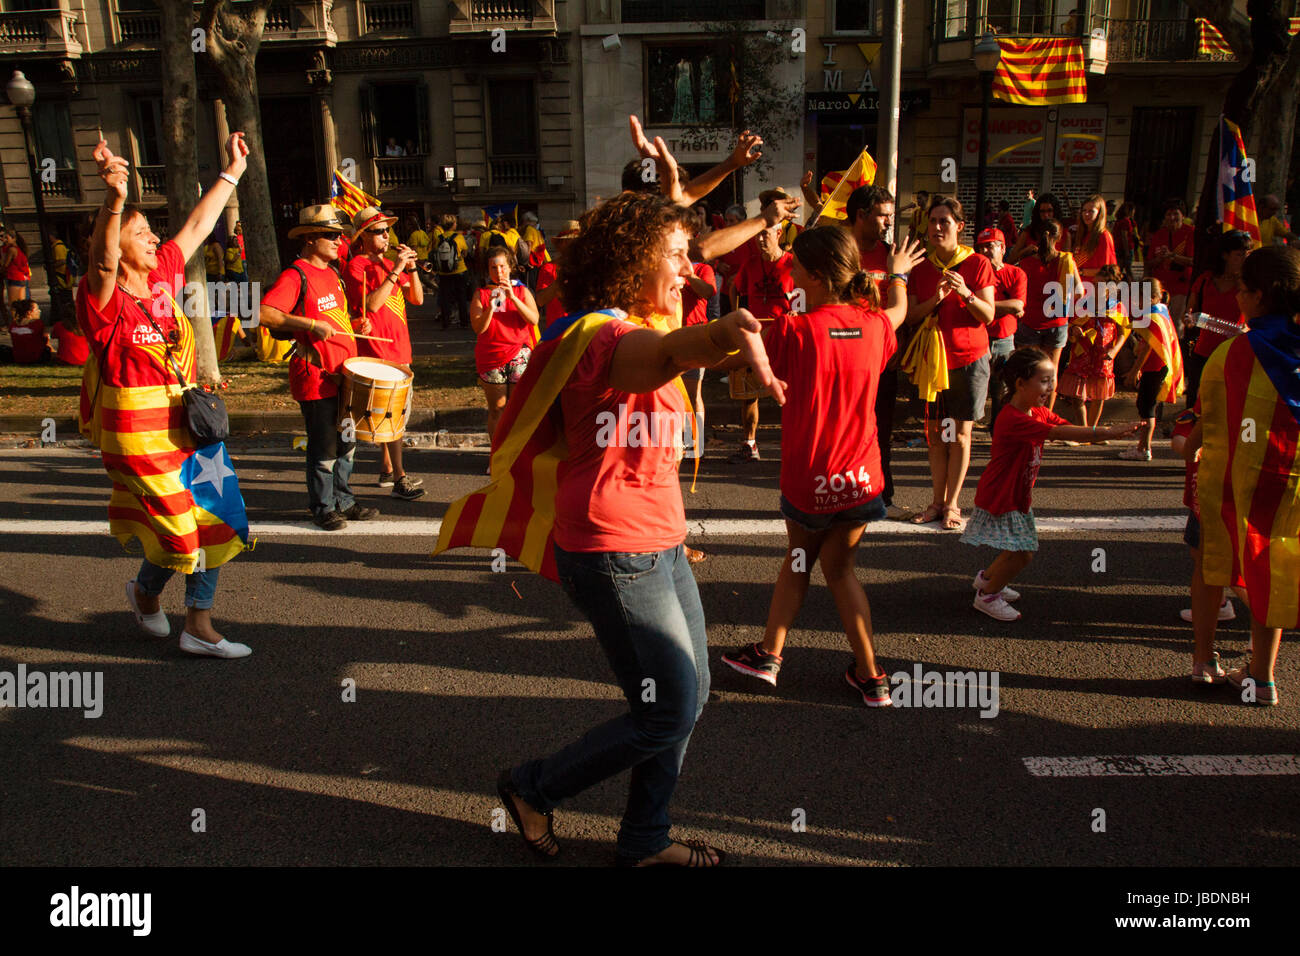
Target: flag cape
point(174, 504)
point(1156, 328)
point(1249, 481)
point(349, 198)
point(1041, 71)
point(1235, 197)
point(223, 331)
point(861, 173)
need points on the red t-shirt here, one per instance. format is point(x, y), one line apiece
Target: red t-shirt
point(546, 275)
point(831, 360)
point(1125, 233)
point(1183, 426)
point(695, 308)
point(618, 490)
point(389, 320)
point(1102, 255)
point(316, 361)
point(736, 259)
point(1008, 226)
point(1009, 282)
point(30, 340)
point(1222, 305)
point(1037, 278)
point(73, 349)
point(18, 270)
point(766, 286)
point(505, 335)
point(122, 327)
point(1007, 482)
point(876, 265)
point(965, 337)
point(1174, 278)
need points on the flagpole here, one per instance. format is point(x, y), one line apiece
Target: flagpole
point(889, 111)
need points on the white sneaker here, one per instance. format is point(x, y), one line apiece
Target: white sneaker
point(155, 624)
point(1136, 454)
point(994, 606)
point(1007, 593)
point(1226, 612)
point(223, 648)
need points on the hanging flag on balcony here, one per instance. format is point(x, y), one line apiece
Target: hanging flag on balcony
point(1209, 41)
point(1236, 200)
point(1041, 71)
point(348, 198)
point(837, 187)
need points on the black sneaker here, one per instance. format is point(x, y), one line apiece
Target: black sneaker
point(330, 522)
point(754, 661)
point(874, 690)
point(385, 479)
point(746, 452)
point(405, 489)
point(359, 512)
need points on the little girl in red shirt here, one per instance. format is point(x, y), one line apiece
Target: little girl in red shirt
point(1095, 340)
point(1004, 518)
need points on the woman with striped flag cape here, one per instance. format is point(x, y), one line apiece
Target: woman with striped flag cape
point(181, 502)
point(1248, 482)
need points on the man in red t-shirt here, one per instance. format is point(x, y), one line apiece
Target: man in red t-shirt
point(764, 287)
point(1169, 257)
point(72, 348)
point(387, 287)
point(27, 331)
point(308, 300)
point(1010, 286)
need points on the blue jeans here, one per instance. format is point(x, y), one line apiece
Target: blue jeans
point(329, 458)
point(200, 587)
point(647, 616)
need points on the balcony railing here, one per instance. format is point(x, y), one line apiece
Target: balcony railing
point(476, 15)
point(66, 185)
point(1159, 40)
point(399, 172)
point(671, 11)
point(285, 20)
point(40, 31)
point(139, 27)
point(514, 170)
point(387, 16)
point(153, 181)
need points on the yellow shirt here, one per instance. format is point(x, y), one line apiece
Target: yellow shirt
point(461, 248)
point(1268, 228)
point(420, 242)
point(60, 252)
point(213, 256)
point(234, 261)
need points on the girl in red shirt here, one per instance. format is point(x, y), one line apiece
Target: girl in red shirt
point(1214, 292)
point(831, 360)
point(1094, 245)
point(1004, 517)
point(1051, 276)
point(1095, 340)
point(13, 259)
point(504, 317)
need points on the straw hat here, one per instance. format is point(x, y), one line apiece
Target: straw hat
point(569, 231)
point(370, 216)
point(316, 219)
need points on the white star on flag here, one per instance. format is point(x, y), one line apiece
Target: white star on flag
point(1228, 178)
point(212, 470)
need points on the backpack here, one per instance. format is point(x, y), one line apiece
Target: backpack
point(72, 264)
point(447, 256)
point(496, 240)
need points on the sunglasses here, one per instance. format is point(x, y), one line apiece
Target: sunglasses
point(376, 232)
point(331, 236)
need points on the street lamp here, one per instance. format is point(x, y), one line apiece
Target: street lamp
point(22, 95)
point(987, 53)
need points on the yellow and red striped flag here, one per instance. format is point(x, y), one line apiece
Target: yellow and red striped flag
point(1041, 71)
point(1209, 41)
point(839, 186)
point(1234, 195)
point(1157, 329)
point(1248, 483)
point(349, 198)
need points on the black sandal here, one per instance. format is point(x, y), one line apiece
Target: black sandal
point(545, 846)
point(698, 857)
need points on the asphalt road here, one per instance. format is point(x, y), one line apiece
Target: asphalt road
point(460, 671)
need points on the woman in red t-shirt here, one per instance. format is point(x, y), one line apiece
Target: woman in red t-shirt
point(1052, 278)
point(504, 316)
point(1169, 257)
point(13, 259)
point(1003, 516)
point(831, 360)
point(143, 343)
point(1046, 208)
point(1214, 292)
point(619, 519)
point(1094, 246)
point(951, 296)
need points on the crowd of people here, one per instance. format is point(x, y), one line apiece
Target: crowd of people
point(618, 316)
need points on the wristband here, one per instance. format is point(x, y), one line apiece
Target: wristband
point(115, 212)
point(392, 276)
point(228, 178)
point(899, 275)
point(708, 331)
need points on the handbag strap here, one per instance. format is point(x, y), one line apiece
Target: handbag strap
point(166, 345)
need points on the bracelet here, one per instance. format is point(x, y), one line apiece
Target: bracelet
point(708, 331)
point(392, 276)
point(899, 275)
point(115, 212)
point(229, 178)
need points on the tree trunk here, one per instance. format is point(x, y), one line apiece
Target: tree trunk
point(1274, 135)
point(232, 44)
point(178, 115)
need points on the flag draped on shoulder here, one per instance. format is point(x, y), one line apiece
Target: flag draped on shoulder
point(1157, 329)
point(837, 187)
point(1236, 199)
point(1041, 71)
point(1248, 482)
point(516, 510)
point(349, 198)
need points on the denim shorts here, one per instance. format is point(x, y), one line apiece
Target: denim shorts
point(968, 387)
point(1053, 338)
point(871, 510)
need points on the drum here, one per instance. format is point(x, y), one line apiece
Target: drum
point(743, 384)
point(376, 396)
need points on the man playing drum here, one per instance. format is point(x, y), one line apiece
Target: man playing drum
point(380, 289)
point(308, 300)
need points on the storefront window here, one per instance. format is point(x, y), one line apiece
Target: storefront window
point(687, 84)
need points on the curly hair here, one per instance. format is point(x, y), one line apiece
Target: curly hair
point(501, 252)
point(617, 242)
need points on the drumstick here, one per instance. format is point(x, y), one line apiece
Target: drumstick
point(369, 338)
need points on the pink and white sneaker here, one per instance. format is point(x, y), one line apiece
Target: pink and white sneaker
point(995, 606)
point(1007, 593)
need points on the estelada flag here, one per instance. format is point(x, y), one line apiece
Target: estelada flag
point(174, 498)
point(1235, 197)
point(1156, 328)
point(349, 198)
point(1248, 481)
point(840, 186)
point(1041, 71)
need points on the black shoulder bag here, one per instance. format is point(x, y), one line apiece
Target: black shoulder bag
point(205, 412)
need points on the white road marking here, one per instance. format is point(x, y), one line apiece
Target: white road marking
point(724, 528)
point(1155, 765)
